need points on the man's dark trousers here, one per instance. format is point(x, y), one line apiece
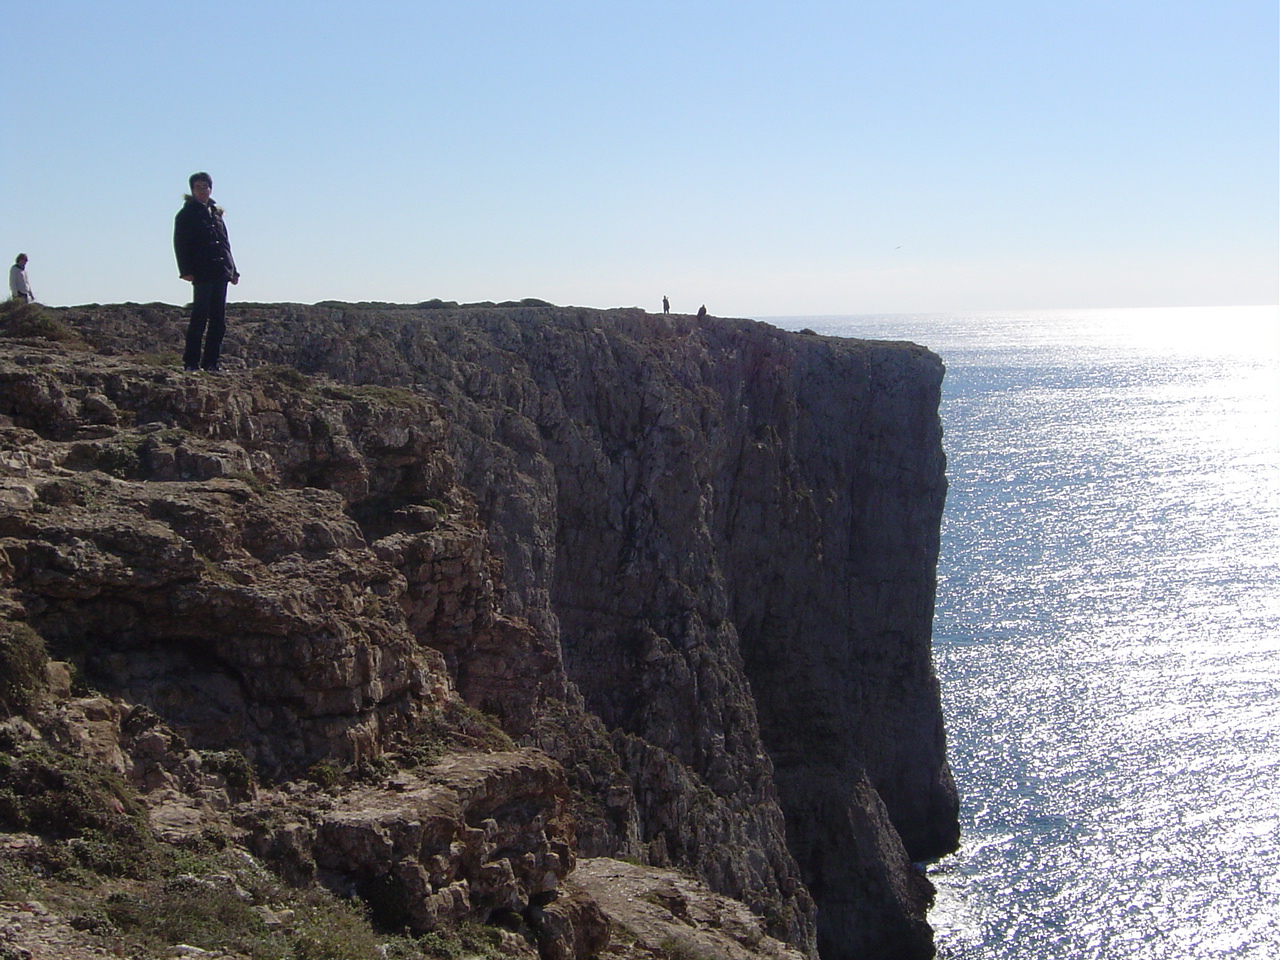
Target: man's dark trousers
point(208, 308)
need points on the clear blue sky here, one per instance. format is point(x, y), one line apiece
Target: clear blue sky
point(774, 158)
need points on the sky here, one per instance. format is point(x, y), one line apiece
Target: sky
point(762, 158)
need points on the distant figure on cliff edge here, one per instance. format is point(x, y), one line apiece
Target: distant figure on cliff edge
point(204, 260)
point(666, 304)
point(702, 312)
point(19, 285)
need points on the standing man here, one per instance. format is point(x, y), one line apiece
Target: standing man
point(666, 304)
point(19, 285)
point(204, 260)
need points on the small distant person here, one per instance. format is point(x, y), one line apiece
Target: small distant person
point(702, 312)
point(666, 304)
point(19, 285)
point(204, 260)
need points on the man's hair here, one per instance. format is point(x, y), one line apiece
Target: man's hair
point(20, 257)
point(191, 181)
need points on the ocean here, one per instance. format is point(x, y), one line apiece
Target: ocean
point(1107, 633)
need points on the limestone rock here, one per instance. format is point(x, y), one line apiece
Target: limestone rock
point(655, 912)
point(474, 836)
point(173, 563)
point(732, 532)
point(691, 561)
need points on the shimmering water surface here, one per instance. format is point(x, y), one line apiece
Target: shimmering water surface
point(1108, 630)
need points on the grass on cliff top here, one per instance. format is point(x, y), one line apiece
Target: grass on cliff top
point(28, 321)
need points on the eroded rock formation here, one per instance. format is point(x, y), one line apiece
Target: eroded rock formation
point(689, 562)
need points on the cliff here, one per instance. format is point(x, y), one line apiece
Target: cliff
point(687, 568)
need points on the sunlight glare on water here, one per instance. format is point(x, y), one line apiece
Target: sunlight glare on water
point(1108, 630)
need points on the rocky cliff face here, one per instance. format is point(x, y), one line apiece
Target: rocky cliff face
point(690, 562)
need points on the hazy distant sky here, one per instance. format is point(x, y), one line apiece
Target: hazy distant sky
point(794, 157)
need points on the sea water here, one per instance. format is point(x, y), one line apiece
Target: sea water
point(1107, 634)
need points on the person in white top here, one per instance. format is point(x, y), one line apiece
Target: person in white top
point(19, 285)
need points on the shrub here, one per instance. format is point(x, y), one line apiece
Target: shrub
point(23, 658)
point(331, 929)
point(452, 726)
point(17, 882)
point(174, 912)
point(221, 916)
point(469, 941)
point(62, 796)
point(27, 320)
point(91, 822)
point(120, 460)
point(234, 768)
point(326, 773)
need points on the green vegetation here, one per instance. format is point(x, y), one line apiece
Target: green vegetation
point(223, 906)
point(28, 321)
point(219, 913)
point(235, 770)
point(121, 459)
point(90, 817)
point(453, 726)
point(328, 774)
point(17, 882)
point(23, 659)
point(471, 941)
point(91, 857)
point(373, 770)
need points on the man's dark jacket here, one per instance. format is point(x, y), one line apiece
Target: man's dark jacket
point(201, 244)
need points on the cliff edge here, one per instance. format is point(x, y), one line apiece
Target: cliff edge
point(686, 567)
